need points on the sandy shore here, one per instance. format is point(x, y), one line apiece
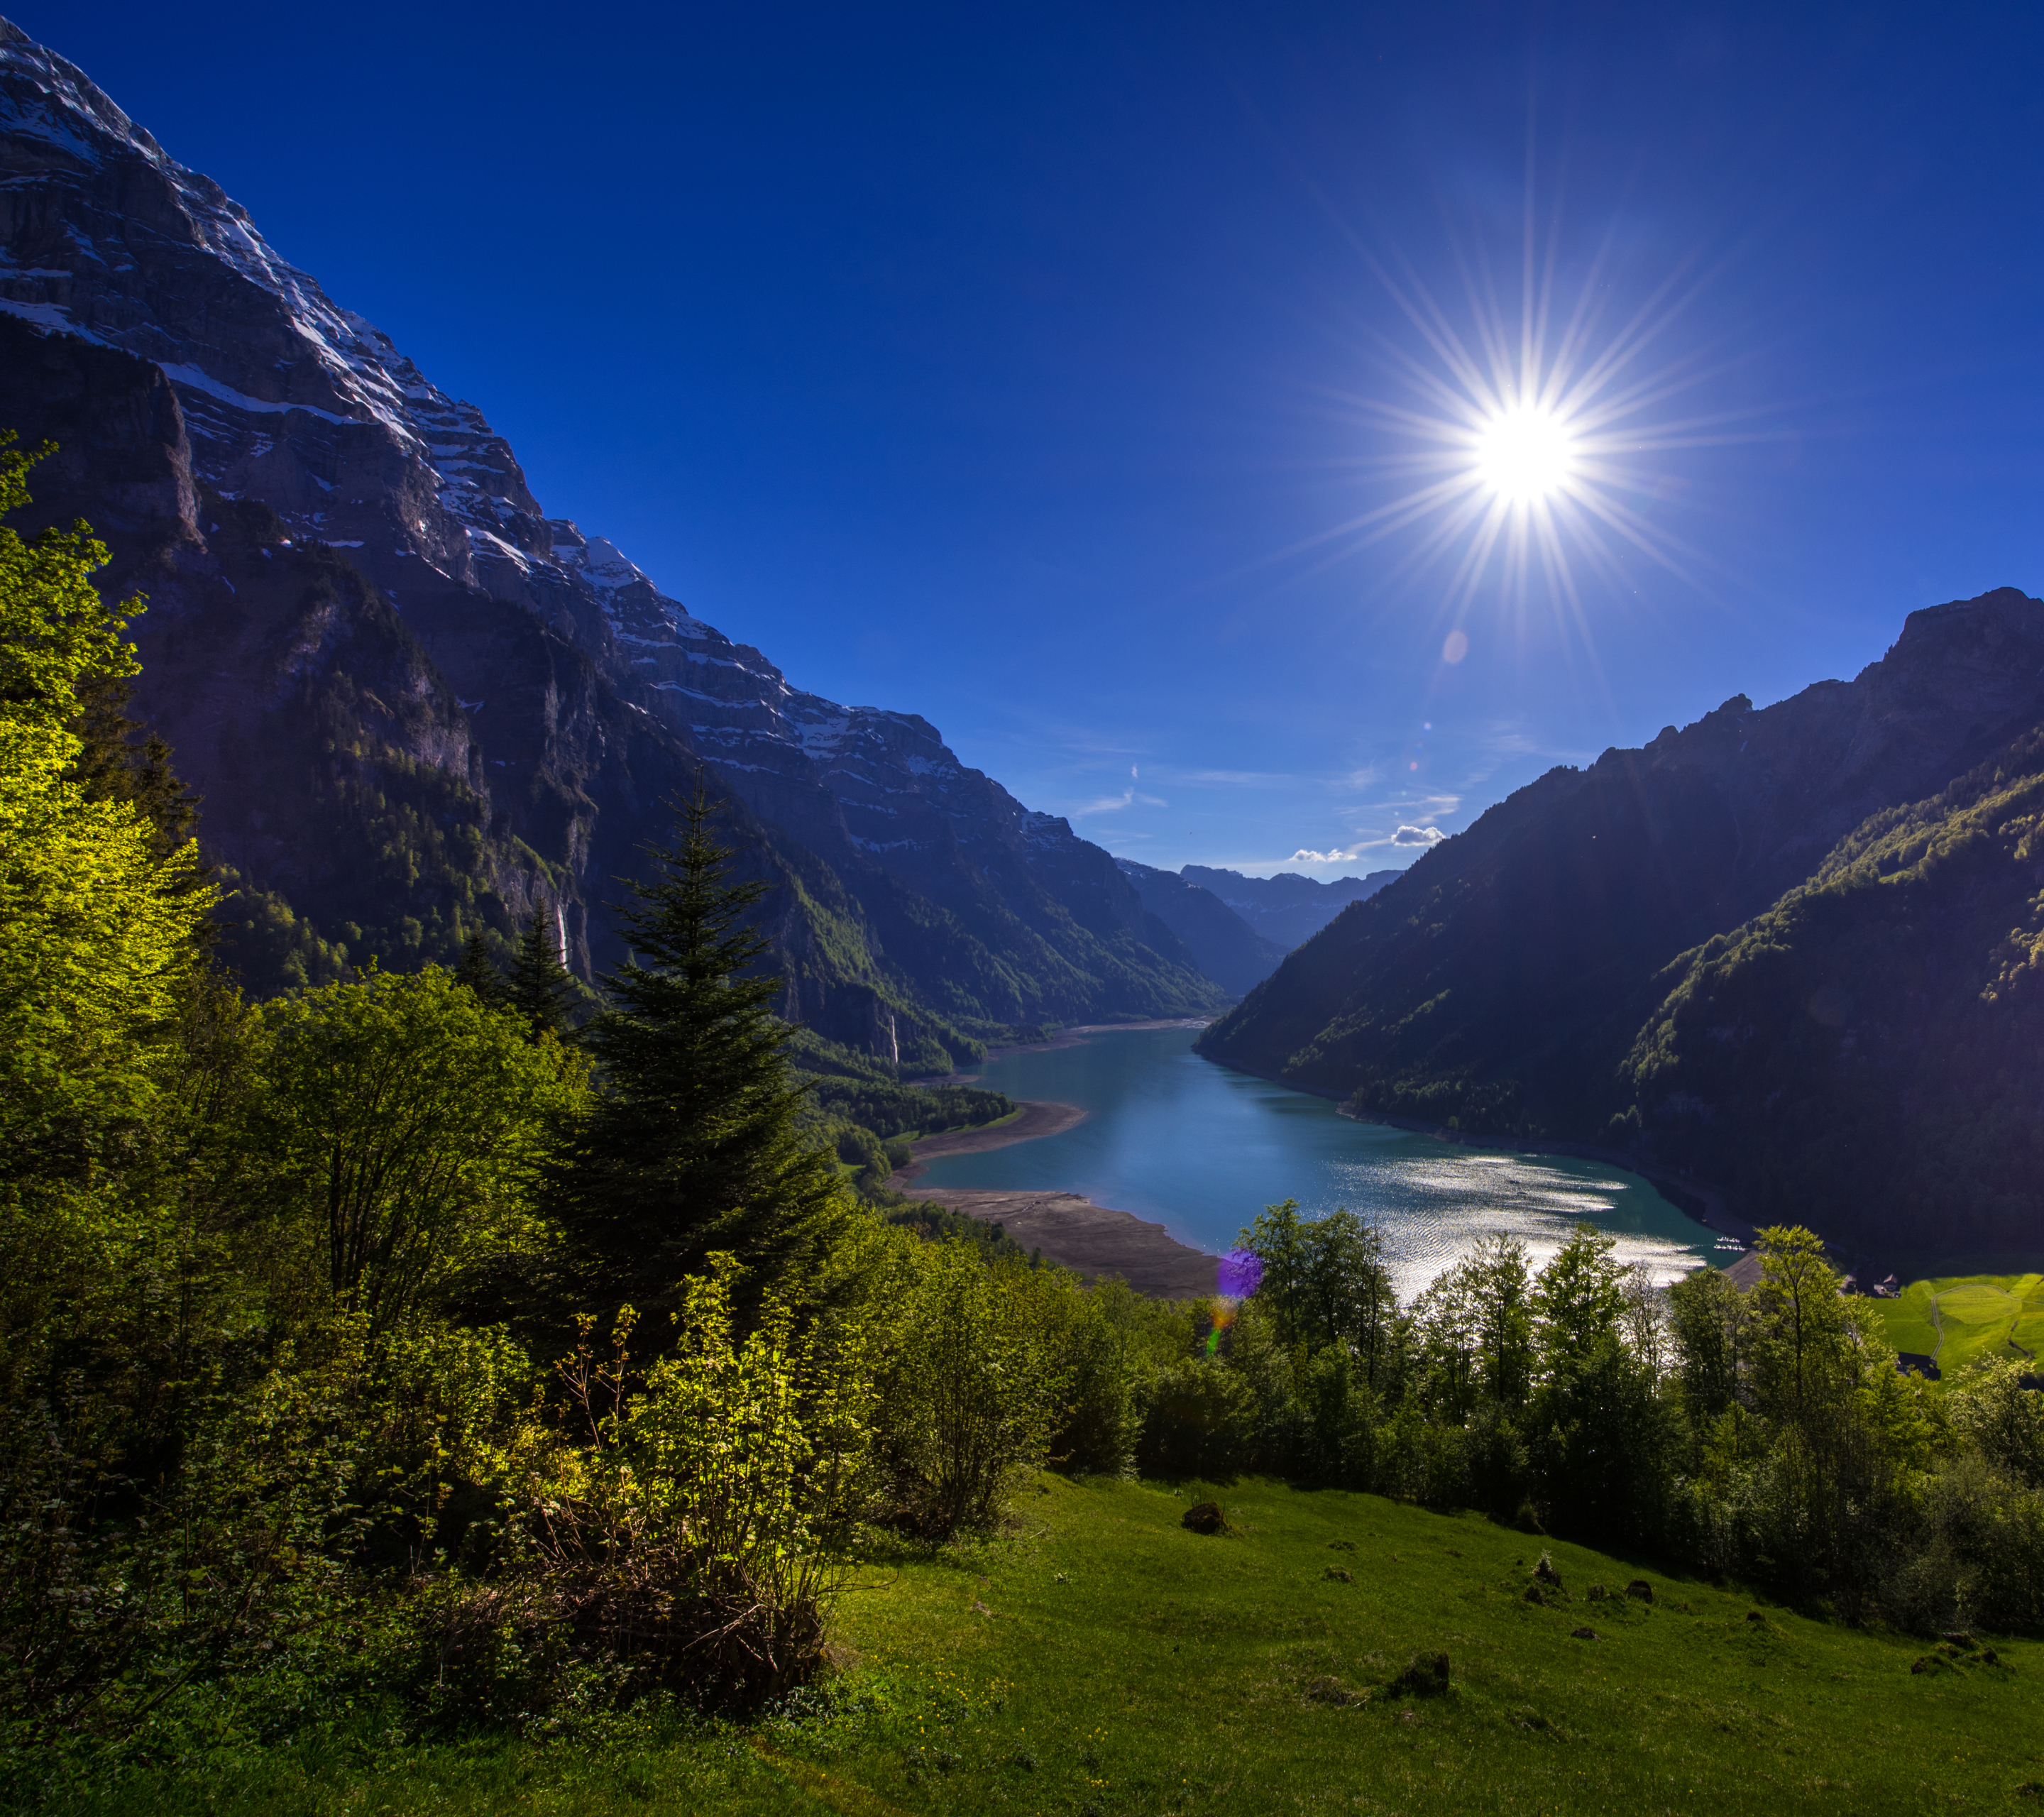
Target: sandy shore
point(1092, 1240)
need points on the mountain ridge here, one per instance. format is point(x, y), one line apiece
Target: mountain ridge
point(1500, 985)
point(1287, 908)
point(912, 885)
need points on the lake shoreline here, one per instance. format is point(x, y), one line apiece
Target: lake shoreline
point(1030, 1122)
point(1705, 1204)
point(1709, 1205)
point(1072, 1037)
point(1096, 1241)
point(1101, 1239)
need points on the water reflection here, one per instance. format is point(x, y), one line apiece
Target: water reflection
point(1201, 1149)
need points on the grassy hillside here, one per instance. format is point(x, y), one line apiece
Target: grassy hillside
point(1105, 1660)
point(1962, 1318)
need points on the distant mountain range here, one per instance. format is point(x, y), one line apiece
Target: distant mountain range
point(1287, 909)
point(1784, 948)
point(415, 705)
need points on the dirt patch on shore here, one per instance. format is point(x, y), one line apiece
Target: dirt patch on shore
point(1092, 1240)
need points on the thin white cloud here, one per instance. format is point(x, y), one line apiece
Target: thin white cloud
point(1114, 803)
point(1303, 855)
point(1224, 778)
point(1406, 838)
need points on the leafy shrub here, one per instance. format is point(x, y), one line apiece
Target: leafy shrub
point(692, 1535)
point(1201, 1421)
point(971, 1391)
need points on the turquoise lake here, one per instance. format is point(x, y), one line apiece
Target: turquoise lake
point(1202, 1149)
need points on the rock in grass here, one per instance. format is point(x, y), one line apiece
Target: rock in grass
point(1341, 1545)
point(1963, 1640)
point(1597, 1592)
point(1584, 1633)
point(1338, 1575)
point(1206, 1518)
point(1640, 1588)
point(1545, 1571)
point(1332, 1691)
point(1425, 1676)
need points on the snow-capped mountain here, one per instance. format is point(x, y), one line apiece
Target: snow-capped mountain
point(288, 401)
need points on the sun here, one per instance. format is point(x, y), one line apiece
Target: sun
point(1514, 452)
point(1525, 454)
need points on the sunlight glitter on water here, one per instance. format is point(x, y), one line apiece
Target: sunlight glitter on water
point(1202, 1149)
point(1433, 1212)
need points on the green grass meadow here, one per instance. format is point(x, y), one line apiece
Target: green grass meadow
point(1103, 1660)
point(1959, 1318)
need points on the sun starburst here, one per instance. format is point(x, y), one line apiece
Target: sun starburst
point(1520, 444)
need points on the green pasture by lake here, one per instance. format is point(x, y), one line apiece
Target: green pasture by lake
point(1959, 1318)
point(1201, 1149)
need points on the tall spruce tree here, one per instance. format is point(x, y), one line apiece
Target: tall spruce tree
point(692, 1146)
point(478, 970)
point(540, 988)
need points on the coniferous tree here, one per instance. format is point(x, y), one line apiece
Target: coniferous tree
point(121, 760)
point(540, 988)
point(478, 970)
point(692, 1147)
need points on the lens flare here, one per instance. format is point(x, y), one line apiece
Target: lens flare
point(1240, 1274)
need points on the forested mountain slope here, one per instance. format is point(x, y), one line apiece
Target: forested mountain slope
point(1229, 951)
point(1865, 1056)
point(1502, 982)
point(320, 527)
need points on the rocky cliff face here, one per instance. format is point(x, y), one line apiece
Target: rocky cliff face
point(1501, 982)
point(572, 693)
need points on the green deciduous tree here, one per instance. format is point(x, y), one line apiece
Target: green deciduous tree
point(407, 1122)
point(1323, 1279)
point(99, 916)
point(973, 1389)
point(1579, 1301)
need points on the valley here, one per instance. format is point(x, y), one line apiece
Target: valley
point(586, 1227)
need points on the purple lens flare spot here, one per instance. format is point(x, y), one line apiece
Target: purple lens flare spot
point(1241, 1273)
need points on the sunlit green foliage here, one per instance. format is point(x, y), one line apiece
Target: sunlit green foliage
point(97, 924)
point(972, 1388)
point(409, 1122)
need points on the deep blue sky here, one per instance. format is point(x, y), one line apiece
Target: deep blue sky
point(1001, 365)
